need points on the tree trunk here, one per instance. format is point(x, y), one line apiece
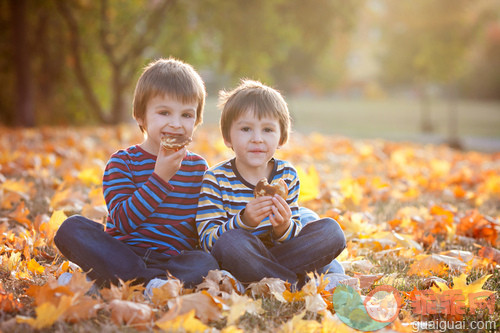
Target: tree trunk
point(453, 138)
point(425, 110)
point(25, 110)
point(118, 112)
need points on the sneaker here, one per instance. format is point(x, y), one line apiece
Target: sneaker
point(154, 283)
point(66, 277)
point(334, 279)
point(237, 284)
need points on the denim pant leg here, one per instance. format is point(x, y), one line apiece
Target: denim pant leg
point(189, 266)
point(247, 258)
point(307, 216)
point(104, 258)
point(317, 244)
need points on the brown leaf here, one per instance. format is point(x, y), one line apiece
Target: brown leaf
point(206, 309)
point(269, 286)
point(133, 314)
point(124, 291)
point(490, 253)
point(366, 281)
point(171, 289)
point(216, 283)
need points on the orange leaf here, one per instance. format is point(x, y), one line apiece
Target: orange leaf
point(475, 225)
point(8, 303)
point(21, 215)
point(35, 267)
point(490, 253)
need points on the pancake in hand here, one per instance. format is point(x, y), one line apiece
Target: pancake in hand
point(175, 142)
point(263, 188)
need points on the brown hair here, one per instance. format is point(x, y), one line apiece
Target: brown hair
point(174, 78)
point(253, 96)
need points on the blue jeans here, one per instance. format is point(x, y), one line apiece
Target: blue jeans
point(249, 260)
point(307, 216)
point(106, 259)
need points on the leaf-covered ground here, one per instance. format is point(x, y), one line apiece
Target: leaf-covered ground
point(423, 219)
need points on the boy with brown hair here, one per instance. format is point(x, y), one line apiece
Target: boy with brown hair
point(257, 237)
point(151, 191)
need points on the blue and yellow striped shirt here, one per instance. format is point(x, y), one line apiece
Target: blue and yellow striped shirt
point(224, 195)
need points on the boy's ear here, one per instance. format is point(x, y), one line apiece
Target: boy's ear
point(228, 144)
point(140, 122)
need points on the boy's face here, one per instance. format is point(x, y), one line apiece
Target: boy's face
point(254, 140)
point(167, 116)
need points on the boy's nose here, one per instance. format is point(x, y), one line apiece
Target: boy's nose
point(175, 122)
point(257, 137)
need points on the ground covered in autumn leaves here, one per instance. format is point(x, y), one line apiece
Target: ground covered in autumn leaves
point(423, 219)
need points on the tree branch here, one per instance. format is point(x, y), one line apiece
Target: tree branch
point(104, 33)
point(151, 31)
point(75, 49)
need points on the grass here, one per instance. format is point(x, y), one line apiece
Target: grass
point(391, 119)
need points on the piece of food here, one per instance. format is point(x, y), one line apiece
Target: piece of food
point(263, 188)
point(175, 142)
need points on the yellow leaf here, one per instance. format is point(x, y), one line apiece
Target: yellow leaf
point(14, 260)
point(35, 267)
point(309, 183)
point(240, 305)
point(186, 321)
point(20, 187)
point(293, 296)
point(232, 329)
point(47, 314)
point(50, 227)
point(91, 175)
point(351, 190)
point(459, 283)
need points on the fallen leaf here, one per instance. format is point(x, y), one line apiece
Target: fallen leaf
point(132, 314)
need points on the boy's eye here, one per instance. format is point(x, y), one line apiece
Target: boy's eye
point(245, 129)
point(268, 129)
point(188, 115)
point(164, 112)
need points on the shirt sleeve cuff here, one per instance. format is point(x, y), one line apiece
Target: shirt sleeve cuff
point(238, 222)
point(288, 233)
point(164, 185)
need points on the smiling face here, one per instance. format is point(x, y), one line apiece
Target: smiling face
point(254, 142)
point(166, 116)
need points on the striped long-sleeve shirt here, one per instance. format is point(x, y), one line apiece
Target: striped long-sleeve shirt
point(146, 211)
point(224, 195)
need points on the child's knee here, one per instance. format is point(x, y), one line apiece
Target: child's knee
point(65, 230)
point(233, 243)
point(331, 230)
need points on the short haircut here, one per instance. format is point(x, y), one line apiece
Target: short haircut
point(173, 78)
point(253, 96)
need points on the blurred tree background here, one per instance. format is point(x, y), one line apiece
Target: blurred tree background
point(77, 61)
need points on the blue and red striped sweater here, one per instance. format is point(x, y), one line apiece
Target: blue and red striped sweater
point(146, 211)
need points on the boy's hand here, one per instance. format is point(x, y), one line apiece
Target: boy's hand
point(281, 215)
point(168, 162)
point(256, 210)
